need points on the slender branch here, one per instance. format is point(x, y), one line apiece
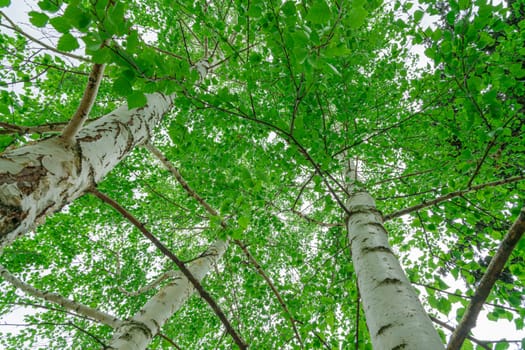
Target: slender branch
point(156, 152)
point(68, 304)
point(445, 325)
point(487, 281)
point(487, 149)
point(86, 103)
point(71, 324)
point(180, 264)
point(325, 175)
point(451, 195)
point(400, 177)
point(169, 340)
point(463, 296)
point(19, 30)
point(301, 190)
point(313, 221)
point(51, 308)
point(263, 274)
point(175, 172)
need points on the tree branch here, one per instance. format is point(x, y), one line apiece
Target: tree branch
point(487, 281)
point(263, 274)
point(19, 30)
point(156, 152)
point(464, 296)
point(451, 195)
point(450, 328)
point(88, 99)
point(175, 172)
point(180, 264)
point(55, 298)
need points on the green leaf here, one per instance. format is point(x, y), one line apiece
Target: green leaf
point(237, 233)
point(38, 19)
point(517, 70)
point(77, 17)
point(243, 222)
point(464, 4)
point(4, 109)
point(254, 11)
point(288, 8)
point(67, 43)
point(132, 41)
point(122, 87)
point(357, 17)
point(337, 51)
point(136, 100)
point(61, 24)
point(319, 13)
point(418, 15)
point(5, 3)
point(49, 6)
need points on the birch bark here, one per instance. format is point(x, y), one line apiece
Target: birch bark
point(136, 333)
point(394, 316)
point(38, 179)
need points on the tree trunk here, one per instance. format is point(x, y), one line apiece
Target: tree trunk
point(38, 179)
point(136, 333)
point(395, 317)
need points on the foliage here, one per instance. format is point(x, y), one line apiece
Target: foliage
point(292, 89)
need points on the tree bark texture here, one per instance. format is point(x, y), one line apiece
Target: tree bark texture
point(136, 333)
point(394, 315)
point(40, 178)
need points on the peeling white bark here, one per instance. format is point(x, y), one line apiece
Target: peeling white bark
point(38, 179)
point(394, 315)
point(136, 333)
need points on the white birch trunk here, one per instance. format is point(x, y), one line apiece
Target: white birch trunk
point(38, 179)
point(136, 333)
point(394, 315)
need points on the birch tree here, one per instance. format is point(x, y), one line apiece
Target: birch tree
point(249, 112)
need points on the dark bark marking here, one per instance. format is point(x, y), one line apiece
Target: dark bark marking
point(11, 218)
point(136, 325)
point(382, 249)
point(364, 209)
point(130, 138)
point(384, 328)
point(90, 138)
point(26, 180)
point(391, 281)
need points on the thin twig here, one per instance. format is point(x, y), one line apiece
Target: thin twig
point(450, 328)
point(451, 195)
point(19, 30)
point(169, 340)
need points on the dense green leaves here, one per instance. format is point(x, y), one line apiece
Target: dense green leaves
point(293, 89)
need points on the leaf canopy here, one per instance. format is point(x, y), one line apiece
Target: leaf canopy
point(292, 90)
